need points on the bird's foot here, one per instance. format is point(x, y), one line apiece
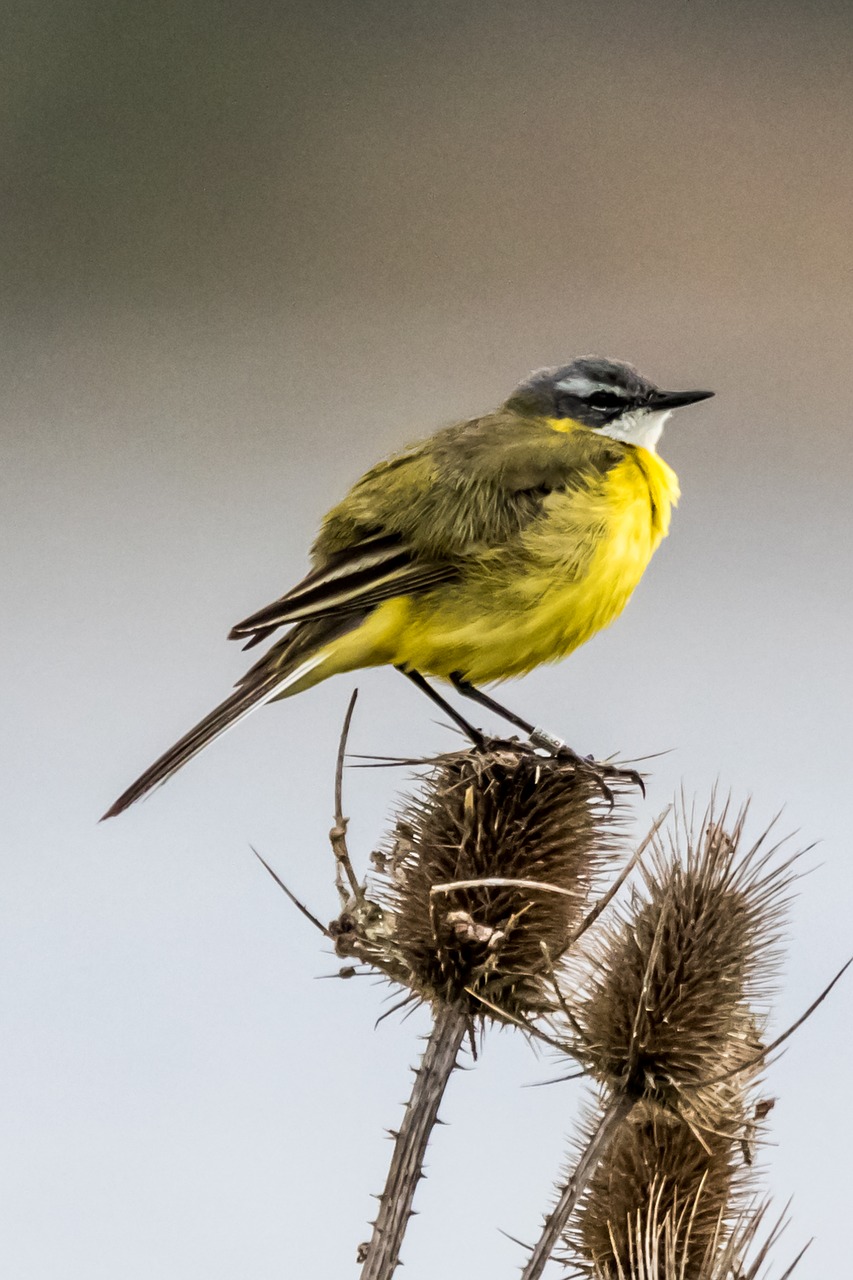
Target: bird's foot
point(602, 772)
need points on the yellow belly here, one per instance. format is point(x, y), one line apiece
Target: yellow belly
point(533, 602)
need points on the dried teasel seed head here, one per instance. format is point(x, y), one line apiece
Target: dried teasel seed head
point(671, 999)
point(529, 838)
point(663, 1189)
point(664, 1242)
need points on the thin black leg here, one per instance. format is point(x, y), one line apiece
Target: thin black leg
point(547, 741)
point(537, 737)
point(471, 691)
point(425, 687)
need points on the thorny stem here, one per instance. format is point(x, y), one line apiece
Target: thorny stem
point(406, 1169)
point(617, 1110)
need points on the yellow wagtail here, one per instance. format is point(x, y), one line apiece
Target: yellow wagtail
point(492, 546)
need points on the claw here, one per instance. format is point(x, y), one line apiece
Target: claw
point(606, 791)
point(637, 779)
point(588, 764)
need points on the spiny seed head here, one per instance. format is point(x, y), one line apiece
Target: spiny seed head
point(663, 1245)
point(670, 1000)
point(662, 1189)
point(534, 835)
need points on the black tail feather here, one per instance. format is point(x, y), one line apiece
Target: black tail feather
point(260, 683)
point(220, 719)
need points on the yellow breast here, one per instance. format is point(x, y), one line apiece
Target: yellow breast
point(637, 503)
point(538, 599)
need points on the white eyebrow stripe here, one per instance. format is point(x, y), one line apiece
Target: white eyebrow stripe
point(584, 387)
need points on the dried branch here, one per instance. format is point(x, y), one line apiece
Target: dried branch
point(603, 903)
point(338, 833)
point(382, 1254)
point(615, 1113)
point(300, 906)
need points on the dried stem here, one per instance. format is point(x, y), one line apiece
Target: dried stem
point(406, 1169)
point(603, 903)
point(300, 906)
point(502, 882)
point(338, 833)
point(616, 1111)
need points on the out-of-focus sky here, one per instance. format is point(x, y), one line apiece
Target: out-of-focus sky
point(245, 251)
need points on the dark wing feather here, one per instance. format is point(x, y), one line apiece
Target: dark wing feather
point(354, 580)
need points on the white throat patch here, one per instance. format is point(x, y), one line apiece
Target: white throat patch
point(638, 426)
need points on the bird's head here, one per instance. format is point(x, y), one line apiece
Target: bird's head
point(606, 396)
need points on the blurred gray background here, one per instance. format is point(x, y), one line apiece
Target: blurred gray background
point(245, 251)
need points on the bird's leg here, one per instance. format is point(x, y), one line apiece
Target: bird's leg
point(538, 737)
point(542, 738)
point(468, 690)
point(425, 687)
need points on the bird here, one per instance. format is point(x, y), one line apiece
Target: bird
point(494, 545)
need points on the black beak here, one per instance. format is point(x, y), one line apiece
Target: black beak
point(675, 399)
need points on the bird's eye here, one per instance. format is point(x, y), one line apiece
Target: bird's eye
point(607, 401)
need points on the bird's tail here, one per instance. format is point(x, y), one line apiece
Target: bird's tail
point(262, 684)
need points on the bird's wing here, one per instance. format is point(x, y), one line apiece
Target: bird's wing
point(353, 580)
point(414, 520)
